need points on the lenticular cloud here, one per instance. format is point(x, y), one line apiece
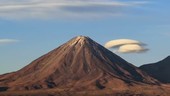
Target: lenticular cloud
point(131, 48)
point(119, 42)
point(126, 46)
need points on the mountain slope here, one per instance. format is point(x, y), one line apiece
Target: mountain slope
point(159, 70)
point(79, 64)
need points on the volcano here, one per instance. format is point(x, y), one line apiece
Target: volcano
point(159, 70)
point(79, 64)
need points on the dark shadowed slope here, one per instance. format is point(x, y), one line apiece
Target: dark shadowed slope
point(79, 64)
point(159, 70)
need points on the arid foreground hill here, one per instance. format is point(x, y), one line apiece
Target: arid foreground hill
point(159, 70)
point(80, 67)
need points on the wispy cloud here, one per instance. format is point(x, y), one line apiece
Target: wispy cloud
point(62, 8)
point(7, 41)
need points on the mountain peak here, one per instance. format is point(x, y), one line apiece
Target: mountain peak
point(79, 40)
point(82, 38)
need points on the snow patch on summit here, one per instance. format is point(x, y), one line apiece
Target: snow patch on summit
point(79, 40)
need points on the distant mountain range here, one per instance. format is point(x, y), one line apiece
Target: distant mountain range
point(79, 65)
point(159, 70)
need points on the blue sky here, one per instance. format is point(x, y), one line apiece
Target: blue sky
point(29, 29)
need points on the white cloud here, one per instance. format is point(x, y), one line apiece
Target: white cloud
point(126, 46)
point(131, 48)
point(17, 9)
point(7, 41)
point(119, 42)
